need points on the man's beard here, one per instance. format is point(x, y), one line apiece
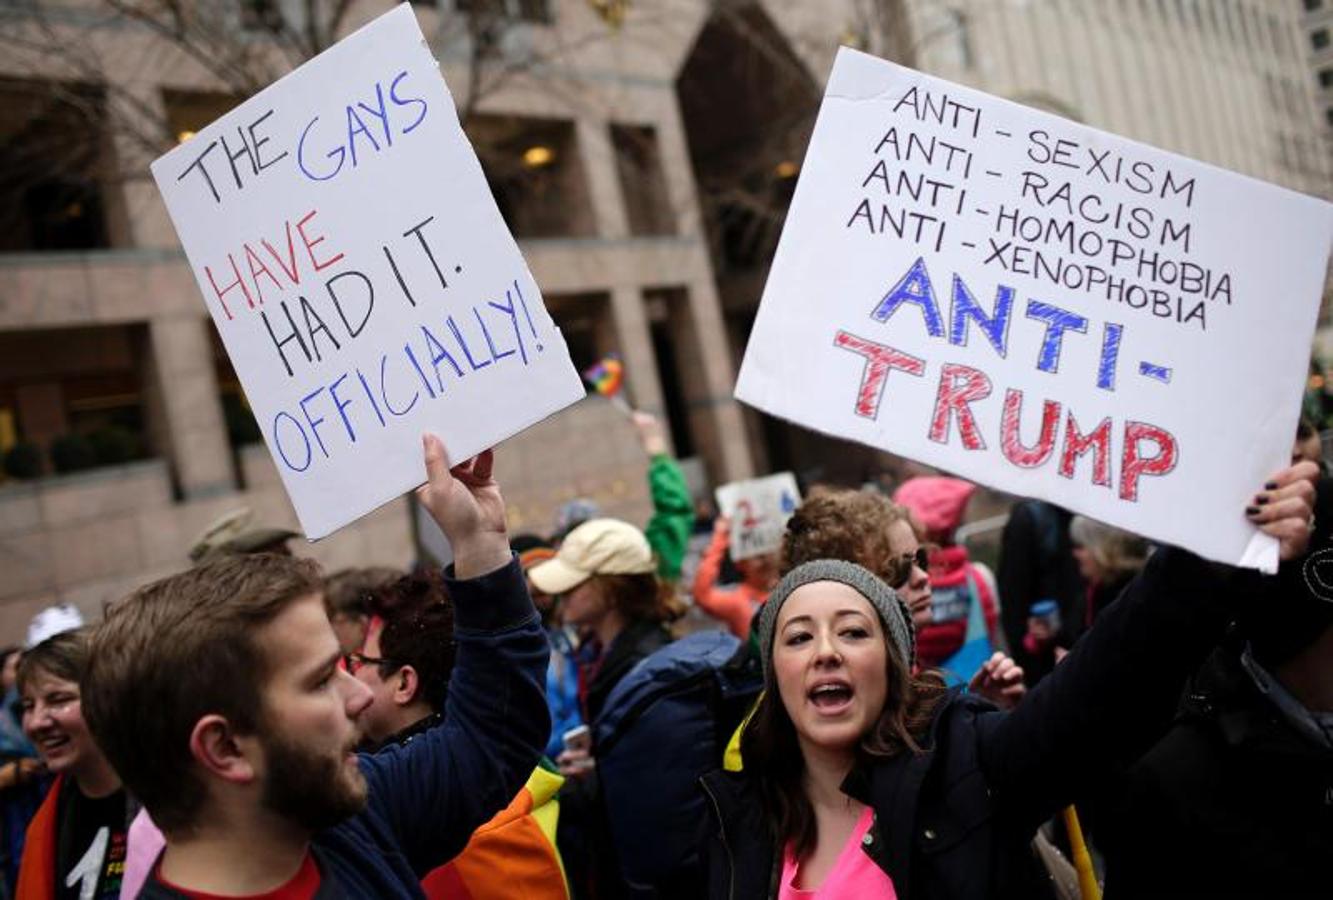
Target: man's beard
point(312, 790)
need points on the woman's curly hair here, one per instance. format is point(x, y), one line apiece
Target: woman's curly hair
point(841, 523)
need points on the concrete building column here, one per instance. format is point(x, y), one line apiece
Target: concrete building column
point(184, 408)
point(136, 215)
point(598, 156)
point(732, 453)
point(634, 338)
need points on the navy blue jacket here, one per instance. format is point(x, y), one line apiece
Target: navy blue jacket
point(426, 798)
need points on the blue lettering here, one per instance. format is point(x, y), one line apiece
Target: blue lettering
point(487, 334)
point(354, 130)
point(458, 335)
point(408, 101)
point(995, 327)
point(277, 442)
point(914, 287)
point(380, 113)
point(365, 386)
point(1058, 321)
point(337, 152)
point(439, 354)
point(314, 423)
point(342, 405)
point(1110, 354)
point(384, 390)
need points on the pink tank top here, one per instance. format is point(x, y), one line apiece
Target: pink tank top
point(854, 875)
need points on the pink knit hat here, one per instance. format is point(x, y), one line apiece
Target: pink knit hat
point(936, 501)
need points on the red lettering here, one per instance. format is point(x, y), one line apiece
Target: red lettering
point(252, 258)
point(1133, 465)
point(879, 360)
point(222, 292)
point(310, 245)
point(292, 272)
point(1076, 444)
point(959, 386)
point(1011, 439)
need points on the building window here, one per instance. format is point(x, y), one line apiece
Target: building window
point(639, 164)
point(1328, 114)
point(535, 11)
point(261, 15)
point(1319, 38)
point(536, 174)
point(53, 162)
point(189, 112)
point(1312, 5)
point(1326, 77)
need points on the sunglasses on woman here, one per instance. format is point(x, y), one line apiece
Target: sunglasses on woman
point(901, 566)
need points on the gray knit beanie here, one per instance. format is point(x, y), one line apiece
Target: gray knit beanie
point(893, 612)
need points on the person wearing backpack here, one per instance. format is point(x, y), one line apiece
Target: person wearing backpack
point(606, 576)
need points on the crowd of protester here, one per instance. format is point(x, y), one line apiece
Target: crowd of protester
point(869, 711)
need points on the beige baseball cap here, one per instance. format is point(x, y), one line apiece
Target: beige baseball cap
point(597, 547)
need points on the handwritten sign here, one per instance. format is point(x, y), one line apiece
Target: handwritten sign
point(759, 509)
point(1042, 307)
point(360, 275)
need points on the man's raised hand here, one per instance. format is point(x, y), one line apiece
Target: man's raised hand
point(465, 502)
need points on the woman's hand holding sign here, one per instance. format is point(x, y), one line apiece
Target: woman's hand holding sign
point(1285, 508)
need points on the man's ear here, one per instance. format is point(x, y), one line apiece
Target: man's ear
point(216, 747)
point(406, 683)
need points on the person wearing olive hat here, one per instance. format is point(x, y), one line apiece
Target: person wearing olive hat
point(606, 576)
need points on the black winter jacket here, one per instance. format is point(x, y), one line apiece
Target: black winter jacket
point(956, 821)
point(1233, 802)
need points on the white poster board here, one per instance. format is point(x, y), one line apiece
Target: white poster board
point(759, 509)
point(361, 276)
point(1042, 307)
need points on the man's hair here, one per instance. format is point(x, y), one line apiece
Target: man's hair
point(418, 632)
point(176, 651)
point(64, 655)
point(844, 524)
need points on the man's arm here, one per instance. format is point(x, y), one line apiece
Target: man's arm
point(437, 790)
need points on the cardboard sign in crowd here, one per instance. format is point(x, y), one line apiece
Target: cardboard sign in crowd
point(1042, 307)
point(362, 279)
point(759, 509)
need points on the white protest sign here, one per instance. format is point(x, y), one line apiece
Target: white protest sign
point(359, 272)
point(759, 509)
point(1042, 307)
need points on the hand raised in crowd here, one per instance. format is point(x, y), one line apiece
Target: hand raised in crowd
point(999, 680)
point(1285, 508)
point(649, 429)
point(465, 502)
point(575, 763)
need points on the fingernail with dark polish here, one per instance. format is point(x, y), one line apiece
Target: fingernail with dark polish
point(1251, 510)
point(1261, 499)
point(1270, 486)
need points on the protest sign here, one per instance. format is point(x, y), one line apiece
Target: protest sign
point(360, 274)
point(759, 509)
point(1042, 307)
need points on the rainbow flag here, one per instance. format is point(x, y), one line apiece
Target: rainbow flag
point(607, 376)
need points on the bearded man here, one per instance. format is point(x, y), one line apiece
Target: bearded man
point(218, 696)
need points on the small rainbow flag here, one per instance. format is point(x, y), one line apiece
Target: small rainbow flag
point(607, 376)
